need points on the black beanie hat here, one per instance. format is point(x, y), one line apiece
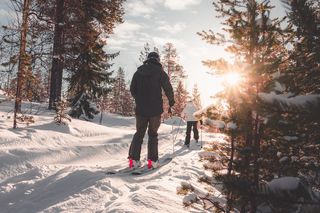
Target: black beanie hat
point(154, 55)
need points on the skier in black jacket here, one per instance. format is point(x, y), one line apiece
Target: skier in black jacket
point(146, 88)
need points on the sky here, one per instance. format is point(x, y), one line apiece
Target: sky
point(160, 21)
point(165, 21)
point(177, 21)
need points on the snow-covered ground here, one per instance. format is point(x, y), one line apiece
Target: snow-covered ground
point(49, 168)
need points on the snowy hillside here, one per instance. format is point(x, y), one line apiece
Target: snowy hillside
point(50, 168)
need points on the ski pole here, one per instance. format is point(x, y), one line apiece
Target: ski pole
point(172, 139)
point(170, 114)
point(175, 136)
point(201, 136)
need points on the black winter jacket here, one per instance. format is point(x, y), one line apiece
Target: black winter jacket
point(146, 88)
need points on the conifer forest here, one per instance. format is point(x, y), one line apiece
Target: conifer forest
point(69, 112)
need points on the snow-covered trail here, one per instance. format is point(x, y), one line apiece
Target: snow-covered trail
point(49, 168)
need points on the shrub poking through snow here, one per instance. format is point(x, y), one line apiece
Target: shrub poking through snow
point(61, 116)
point(190, 199)
point(184, 189)
point(26, 119)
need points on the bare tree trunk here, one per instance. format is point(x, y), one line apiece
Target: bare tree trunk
point(256, 152)
point(243, 208)
point(22, 60)
point(101, 117)
point(57, 61)
point(249, 143)
point(230, 166)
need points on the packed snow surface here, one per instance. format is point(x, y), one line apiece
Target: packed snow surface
point(45, 167)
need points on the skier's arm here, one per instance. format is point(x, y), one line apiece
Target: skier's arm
point(133, 86)
point(167, 87)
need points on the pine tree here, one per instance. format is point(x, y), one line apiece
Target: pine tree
point(128, 103)
point(121, 101)
point(196, 97)
point(303, 76)
point(118, 93)
point(256, 41)
point(294, 135)
point(39, 91)
point(40, 41)
point(170, 62)
point(33, 88)
point(33, 82)
point(37, 45)
point(180, 98)
point(103, 104)
point(146, 50)
point(22, 60)
point(61, 116)
point(88, 63)
point(57, 59)
point(174, 70)
point(70, 18)
point(9, 59)
point(86, 83)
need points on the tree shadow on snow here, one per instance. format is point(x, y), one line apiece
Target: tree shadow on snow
point(47, 192)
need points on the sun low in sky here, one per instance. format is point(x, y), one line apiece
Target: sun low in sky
point(232, 78)
point(160, 21)
point(175, 21)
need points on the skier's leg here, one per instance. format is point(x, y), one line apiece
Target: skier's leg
point(154, 124)
point(189, 125)
point(135, 147)
point(195, 130)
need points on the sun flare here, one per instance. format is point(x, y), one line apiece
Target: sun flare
point(232, 78)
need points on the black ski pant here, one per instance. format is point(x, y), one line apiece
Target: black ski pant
point(193, 125)
point(142, 123)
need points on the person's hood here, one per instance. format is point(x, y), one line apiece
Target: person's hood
point(150, 67)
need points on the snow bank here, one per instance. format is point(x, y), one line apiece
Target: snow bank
point(175, 121)
point(61, 168)
point(2, 96)
point(209, 155)
point(284, 100)
point(231, 125)
point(290, 138)
point(284, 184)
point(189, 199)
point(204, 110)
point(215, 123)
point(114, 120)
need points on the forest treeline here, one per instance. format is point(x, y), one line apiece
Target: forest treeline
point(56, 50)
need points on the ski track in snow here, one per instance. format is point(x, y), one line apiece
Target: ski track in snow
point(50, 168)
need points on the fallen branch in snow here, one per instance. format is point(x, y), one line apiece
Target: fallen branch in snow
point(214, 203)
point(194, 195)
point(209, 180)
